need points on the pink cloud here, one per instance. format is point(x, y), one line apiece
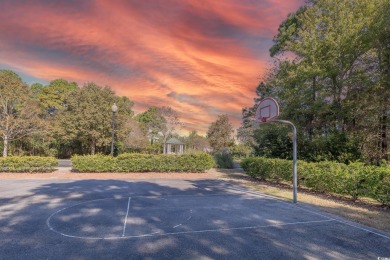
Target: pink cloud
point(209, 54)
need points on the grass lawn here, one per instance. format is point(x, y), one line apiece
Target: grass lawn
point(366, 212)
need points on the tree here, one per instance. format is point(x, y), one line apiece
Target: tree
point(172, 122)
point(87, 117)
point(220, 133)
point(332, 82)
point(382, 47)
point(53, 97)
point(196, 142)
point(152, 123)
point(134, 139)
point(18, 113)
point(36, 89)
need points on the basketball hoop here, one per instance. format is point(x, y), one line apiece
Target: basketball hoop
point(267, 110)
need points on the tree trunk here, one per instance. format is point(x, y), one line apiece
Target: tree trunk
point(93, 147)
point(384, 118)
point(311, 115)
point(5, 148)
point(384, 62)
point(383, 146)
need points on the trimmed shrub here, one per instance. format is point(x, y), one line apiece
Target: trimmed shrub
point(223, 160)
point(194, 162)
point(355, 179)
point(27, 164)
point(92, 163)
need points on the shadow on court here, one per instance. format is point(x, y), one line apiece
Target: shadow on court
point(167, 219)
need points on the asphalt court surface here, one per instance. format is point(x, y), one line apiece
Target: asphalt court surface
point(170, 219)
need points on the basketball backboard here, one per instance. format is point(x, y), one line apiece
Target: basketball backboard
point(267, 110)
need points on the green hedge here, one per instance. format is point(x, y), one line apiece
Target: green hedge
point(27, 164)
point(195, 162)
point(356, 179)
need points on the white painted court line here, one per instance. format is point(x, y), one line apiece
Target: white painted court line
point(243, 228)
point(184, 196)
point(195, 231)
point(313, 212)
point(127, 214)
point(58, 211)
point(233, 187)
point(346, 223)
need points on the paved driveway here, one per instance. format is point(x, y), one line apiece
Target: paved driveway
point(170, 219)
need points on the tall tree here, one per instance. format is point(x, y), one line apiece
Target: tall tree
point(87, 117)
point(152, 123)
point(327, 77)
point(196, 142)
point(172, 121)
point(382, 46)
point(134, 138)
point(220, 133)
point(53, 96)
point(18, 113)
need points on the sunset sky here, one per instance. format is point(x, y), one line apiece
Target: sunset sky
point(202, 58)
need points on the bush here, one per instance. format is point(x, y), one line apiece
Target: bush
point(27, 164)
point(194, 162)
point(92, 163)
point(223, 160)
point(355, 179)
point(240, 151)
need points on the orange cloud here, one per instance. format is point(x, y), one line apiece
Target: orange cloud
point(202, 58)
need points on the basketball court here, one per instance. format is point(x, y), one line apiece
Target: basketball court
point(169, 219)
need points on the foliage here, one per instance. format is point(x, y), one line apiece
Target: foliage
point(87, 118)
point(196, 142)
point(37, 144)
point(155, 148)
point(78, 120)
point(219, 133)
point(194, 162)
point(18, 113)
point(331, 78)
point(240, 151)
point(223, 159)
point(135, 140)
point(356, 180)
point(273, 141)
point(172, 122)
point(27, 164)
point(53, 97)
point(245, 134)
point(152, 123)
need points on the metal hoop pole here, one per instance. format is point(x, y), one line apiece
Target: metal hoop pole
point(113, 134)
point(295, 175)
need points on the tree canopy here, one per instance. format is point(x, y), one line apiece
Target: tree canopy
point(220, 133)
point(87, 117)
point(331, 78)
point(61, 119)
point(18, 112)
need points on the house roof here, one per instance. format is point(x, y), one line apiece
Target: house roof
point(174, 141)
